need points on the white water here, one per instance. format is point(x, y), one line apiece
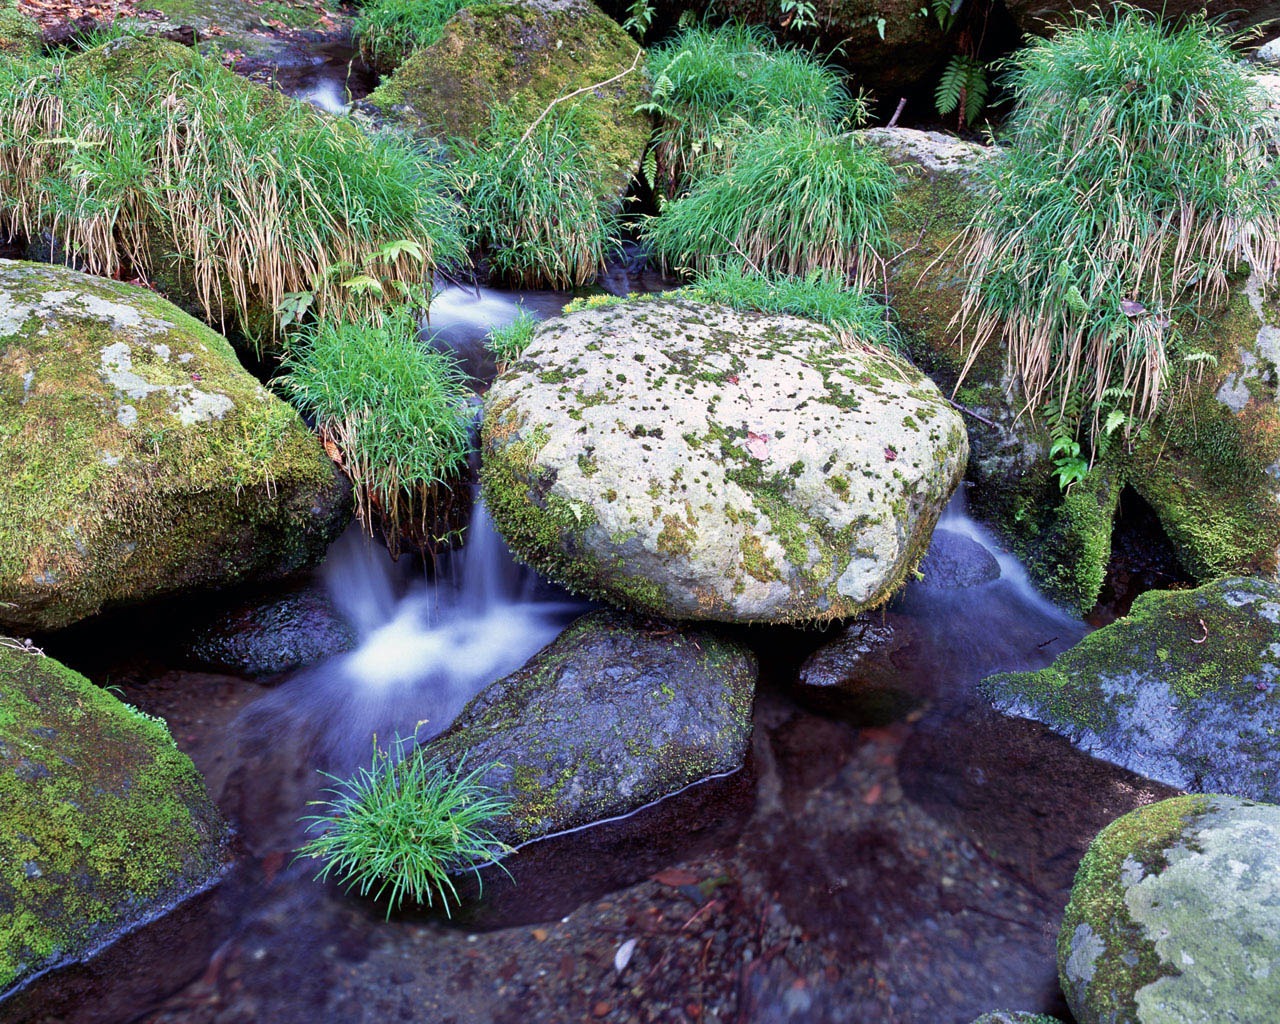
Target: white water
point(426, 646)
point(327, 95)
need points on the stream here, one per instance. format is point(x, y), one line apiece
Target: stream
point(906, 870)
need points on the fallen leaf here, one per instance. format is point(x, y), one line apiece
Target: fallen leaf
point(675, 877)
point(1131, 307)
point(540, 934)
point(757, 445)
point(890, 455)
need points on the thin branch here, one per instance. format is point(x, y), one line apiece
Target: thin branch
point(578, 92)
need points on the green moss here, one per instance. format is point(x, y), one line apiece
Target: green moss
point(102, 818)
point(1129, 960)
point(1164, 628)
point(19, 35)
point(93, 510)
point(523, 59)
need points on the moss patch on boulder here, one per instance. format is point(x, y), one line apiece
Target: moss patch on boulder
point(19, 35)
point(524, 56)
point(1186, 690)
point(103, 821)
point(137, 457)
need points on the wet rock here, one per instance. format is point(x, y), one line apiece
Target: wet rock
point(104, 824)
point(857, 678)
point(1186, 690)
point(259, 639)
point(695, 462)
point(138, 457)
point(1016, 1017)
point(955, 561)
point(1175, 916)
point(522, 57)
point(615, 714)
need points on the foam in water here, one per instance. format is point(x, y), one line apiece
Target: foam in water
point(425, 649)
point(327, 95)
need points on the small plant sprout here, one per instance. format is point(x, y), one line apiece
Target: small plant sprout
point(506, 343)
point(401, 828)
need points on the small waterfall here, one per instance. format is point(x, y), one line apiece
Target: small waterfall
point(427, 646)
point(326, 94)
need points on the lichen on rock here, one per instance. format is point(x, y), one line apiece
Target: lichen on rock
point(137, 457)
point(696, 462)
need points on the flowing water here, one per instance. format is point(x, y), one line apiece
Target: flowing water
point(912, 872)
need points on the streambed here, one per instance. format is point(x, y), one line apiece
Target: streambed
point(913, 871)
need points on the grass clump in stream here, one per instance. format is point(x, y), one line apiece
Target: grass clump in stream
point(858, 320)
point(394, 413)
point(401, 830)
point(508, 342)
point(388, 31)
point(533, 203)
point(144, 159)
point(1138, 175)
point(796, 199)
point(710, 85)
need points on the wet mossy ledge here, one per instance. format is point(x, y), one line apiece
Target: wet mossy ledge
point(523, 57)
point(137, 457)
point(696, 462)
point(104, 823)
point(1185, 690)
point(19, 35)
point(1173, 916)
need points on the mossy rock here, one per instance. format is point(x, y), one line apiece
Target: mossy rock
point(265, 33)
point(696, 462)
point(1016, 1017)
point(104, 823)
point(1186, 690)
point(524, 56)
point(137, 457)
point(19, 35)
point(1175, 916)
point(618, 712)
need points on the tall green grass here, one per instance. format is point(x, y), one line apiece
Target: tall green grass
point(532, 202)
point(859, 320)
point(507, 342)
point(709, 85)
point(797, 198)
point(395, 413)
point(1137, 179)
point(388, 31)
point(143, 158)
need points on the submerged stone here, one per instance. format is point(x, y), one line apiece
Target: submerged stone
point(104, 823)
point(137, 457)
point(695, 462)
point(615, 714)
point(955, 561)
point(1186, 690)
point(1175, 916)
point(524, 57)
point(858, 677)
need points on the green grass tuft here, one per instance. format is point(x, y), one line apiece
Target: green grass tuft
point(506, 343)
point(859, 320)
point(394, 411)
point(796, 199)
point(710, 85)
point(1139, 161)
point(389, 30)
point(532, 202)
point(400, 830)
point(144, 159)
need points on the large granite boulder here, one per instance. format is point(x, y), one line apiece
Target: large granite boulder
point(613, 715)
point(696, 462)
point(524, 56)
point(137, 457)
point(1175, 916)
point(1186, 690)
point(104, 823)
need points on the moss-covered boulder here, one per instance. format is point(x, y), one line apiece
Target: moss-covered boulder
point(137, 457)
point(696, 462)
point(104, 823)
point(1175, 916)
point(525, 56)
point(1016, 1017)
point(615, 714)
point(19, 35)
point(1186, 690)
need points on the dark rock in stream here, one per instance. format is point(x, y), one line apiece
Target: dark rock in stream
point(859, 677)
point(257, 639)
point(955, 561)
point(618, 712)
point(1185, 690)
